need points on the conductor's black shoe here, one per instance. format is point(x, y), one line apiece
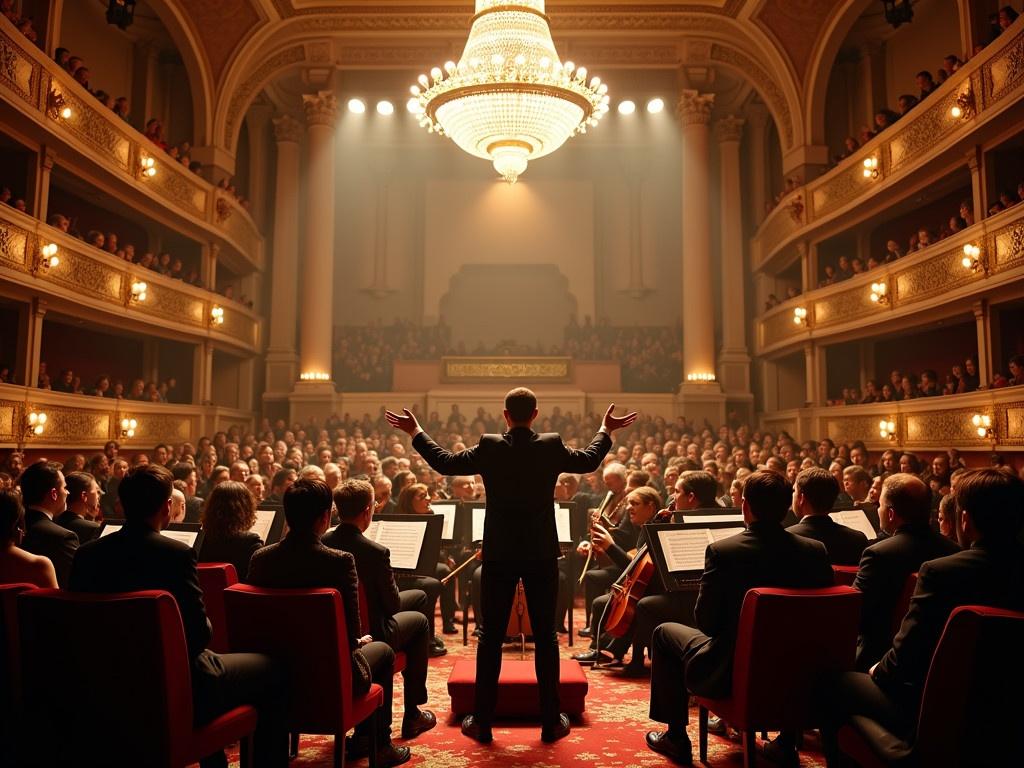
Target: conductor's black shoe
point(593, 657)
point(389, 755)
point(678, 751)
point(584, 632)
point(552, 733)
point(476, 731)
point(437, 648)
point(449, 628)
point(414, 726)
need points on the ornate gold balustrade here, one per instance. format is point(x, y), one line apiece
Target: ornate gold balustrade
point(929, 423)
point(926, 279)
point(87, 422)
point(984, 88)
point(86, 277)
point(40, 89)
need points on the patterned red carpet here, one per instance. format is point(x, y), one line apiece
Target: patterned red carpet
point(609, 735)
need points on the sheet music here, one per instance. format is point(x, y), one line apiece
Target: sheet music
point(717, 534)
point(185, 537)
point(684, 548)
point(733, 518)
point(448, 526)
point(562, 524)
point(109, 529)
point(856, 519)
point(479, 513)
point(404, 539)
point(263, 524)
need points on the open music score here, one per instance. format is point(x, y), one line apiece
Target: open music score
point(185, 537)
point(479, 515)
point(684, 547)
point(725, 517)
point(562, 526)
point(404, 539)
point(447, 511)
point(856, 519)
point(178, 532)
point(264, 522)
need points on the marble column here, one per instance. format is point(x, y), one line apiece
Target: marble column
point(282, 357)
point(733, 360)
point(983, 324)
point(316, 318)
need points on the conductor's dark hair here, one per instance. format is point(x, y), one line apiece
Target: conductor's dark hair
point(520, 404)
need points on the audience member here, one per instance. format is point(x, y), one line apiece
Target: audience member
point(18, 565)
point(228, 517)
point(44, 493)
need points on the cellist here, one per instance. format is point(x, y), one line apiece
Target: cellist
point(694, 490)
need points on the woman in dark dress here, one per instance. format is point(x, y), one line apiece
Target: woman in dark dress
point(229, 513)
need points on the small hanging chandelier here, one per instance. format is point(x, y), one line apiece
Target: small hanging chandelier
point(509, 99)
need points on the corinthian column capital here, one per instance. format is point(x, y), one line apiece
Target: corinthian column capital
point(321, 108)
point(729, 128)
point(287, 128)
point(695, 108)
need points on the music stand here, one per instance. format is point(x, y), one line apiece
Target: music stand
point(276, 527)
point(194, 530)
point(671, 579)
point(426, 565)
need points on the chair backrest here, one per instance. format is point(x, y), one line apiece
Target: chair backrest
point(106, 678)
point(214, 578)
point(845, 575)
point(903, 602)
point(304, 629)
point(788, 642)
point(364, 609)
point(972, 708)
point(10, 668)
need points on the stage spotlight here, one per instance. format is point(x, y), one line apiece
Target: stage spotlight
point(627, 107)
point(654, 106)
point(385, 108)
point(356, 106)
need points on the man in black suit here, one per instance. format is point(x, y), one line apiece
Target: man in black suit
point(765, 555)
point(903, 511)
point(83, 506)
point(193, 504)
point(519, 470)
point(44, 494)
point(989, 571)
point(397, 619)
point(138, 557)
point(301, 561)
point(814, 494)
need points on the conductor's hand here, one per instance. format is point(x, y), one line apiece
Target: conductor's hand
point(611, 423)
point(602, 539)
point(406, 423)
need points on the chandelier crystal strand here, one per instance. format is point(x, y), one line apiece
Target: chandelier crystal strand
point(510, 99)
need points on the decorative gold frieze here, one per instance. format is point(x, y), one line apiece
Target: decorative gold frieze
point(93, 127)
point(939, 273)
point(835, 192)
point(153, 428)
point(940, 428)
point(1009, 247)
point(921, 134)
point(14, 247)
point(1012, 425)
point(172, 182)
point(175, 305)
point(778, 226)
point(238, 325)
point(67, 424)
point(1005, 72)
point(88, 276)
point(779, 327)
point(241, 96)
point(467, 369)
point(843, 306)
point(849, 428)
point(17, 70)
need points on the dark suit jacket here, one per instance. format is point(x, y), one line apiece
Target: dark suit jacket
point(765, 555)
point(990, 575)
point(520, 469)
point(193, 509)
point(45, 537)
point(303, 562)
point(373, 563)
point(236, 550)
point(884, 568)
point(136, 558)
point(85, 530)
point(844, 545)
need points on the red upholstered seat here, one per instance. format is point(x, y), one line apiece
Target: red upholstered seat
point(305, 629)
point(971, 708)
point(10, 669)
point(845, 574)
point(364, 619)
point(128, 665)
point(517, 688)
point(818, 625)
point(903, 603)
point(214, 578)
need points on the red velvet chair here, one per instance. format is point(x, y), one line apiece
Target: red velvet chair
point(305, 629)
point(845, 574)
point(107, 682)
point(214, 578)
point(364, 618)
point(10, 670)
point(971, 708)
point(788, 641)
point(903, 603)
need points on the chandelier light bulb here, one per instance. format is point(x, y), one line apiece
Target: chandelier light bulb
point(423, 81)
point(435, 74)
point(569, 66)
point(385, 108)
point(519, 60)
point(544, 62)
point(627, 107)
point(654, 106)
point(449, 67)
point(413, 107)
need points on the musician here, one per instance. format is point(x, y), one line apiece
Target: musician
point(814, 494)
point(519, 470)
point(765, 555)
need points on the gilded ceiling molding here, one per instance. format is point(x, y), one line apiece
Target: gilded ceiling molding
point(254, 83)
point(795, 26)
point(728, 8)
point(763, 83)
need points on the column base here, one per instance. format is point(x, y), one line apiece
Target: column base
point(282, 370)
point(311, 400)
point(734, 371)
point(701, 401)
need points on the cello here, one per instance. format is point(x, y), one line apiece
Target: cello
point(630, 587)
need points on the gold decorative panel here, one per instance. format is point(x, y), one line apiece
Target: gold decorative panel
point(17, 71)
point(89, 276)
point(922, 133)
point(1005, 72)
point(155, 428)
point(73, 425)
point(941, 272)
point(776, 228)
point(835, 192)
point(10, 421)
point(849, 428)
point(844, 306)
point(173, 183)
point(174, 305)
point(466, 369)
point(780, 327)
point(94, 128)
point(14, 247)
point(239, 227)
point(238, 325)
point(1012, 425)
point(944, 427)
point(1009, 247)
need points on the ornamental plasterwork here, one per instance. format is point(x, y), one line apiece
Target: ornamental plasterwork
point(175, 185)
point(1009, 247)
point(779, 327)
point(842, 428)
point(165, 428)
point(17, 70)
point(1005, 72)
point(13, 246)
point(375, 55)
point(838, 191)
point(506, 368)
point(765, 85)
point(694, 108)
point(321, 108)
point(943, 427)
point(92, 127)
point(1013, 434)
point(843, 306)
point(240, 98)
point(729, 8)
point(923, 133)
point(175, 305)
point(624, 55)
point(88, 276)
point(940, 273)
point(287, 128)
point(74, 425)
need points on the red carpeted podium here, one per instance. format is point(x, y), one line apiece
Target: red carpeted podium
point(517, 688)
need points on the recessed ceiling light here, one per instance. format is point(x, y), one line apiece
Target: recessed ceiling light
point(356, 106)
point(385, 108)
point(627, 107)
point(654, 106)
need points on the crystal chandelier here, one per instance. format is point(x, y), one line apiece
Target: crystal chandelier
point(509, 99)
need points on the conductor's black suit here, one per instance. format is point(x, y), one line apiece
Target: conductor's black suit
point(519, 469)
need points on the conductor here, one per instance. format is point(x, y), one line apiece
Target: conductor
point(519, 469)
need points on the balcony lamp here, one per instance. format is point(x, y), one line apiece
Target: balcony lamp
point(36, 423)
point(983, 425)
point(887, 429)
point(47, 259)
point(972, 257)
point(870, 167)
point(880, 293)
point(128, 427)
point(800, 315)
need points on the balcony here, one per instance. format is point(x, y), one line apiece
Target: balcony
point(40, 90)
point(934, 278)
point(86, 422)
point(983, 89)
point(88, 277)
point(927, 424)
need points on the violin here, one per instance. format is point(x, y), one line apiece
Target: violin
point(631, 586)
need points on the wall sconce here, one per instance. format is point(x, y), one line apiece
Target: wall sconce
point(972, 258)
point(983, 424)
point(57, 106)
point(887, 430)
point(128, 427)
point(147, 166)
point(47, 258)
point(880, 293)
point(314, 376)
point(964, 107)
point(703, 378)
point(217, 315)
point(870, 167)
point(36, 424)
point(138, 292)
point(800, 315)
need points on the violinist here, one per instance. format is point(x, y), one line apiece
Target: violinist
point(694, 490)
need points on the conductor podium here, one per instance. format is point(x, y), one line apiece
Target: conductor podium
point(517, 688)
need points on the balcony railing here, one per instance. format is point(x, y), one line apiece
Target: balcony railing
point(90, 278)
point(41, 89)
point(86, 422)
point(984, 88)
point(932, 277)
point(927, 423)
